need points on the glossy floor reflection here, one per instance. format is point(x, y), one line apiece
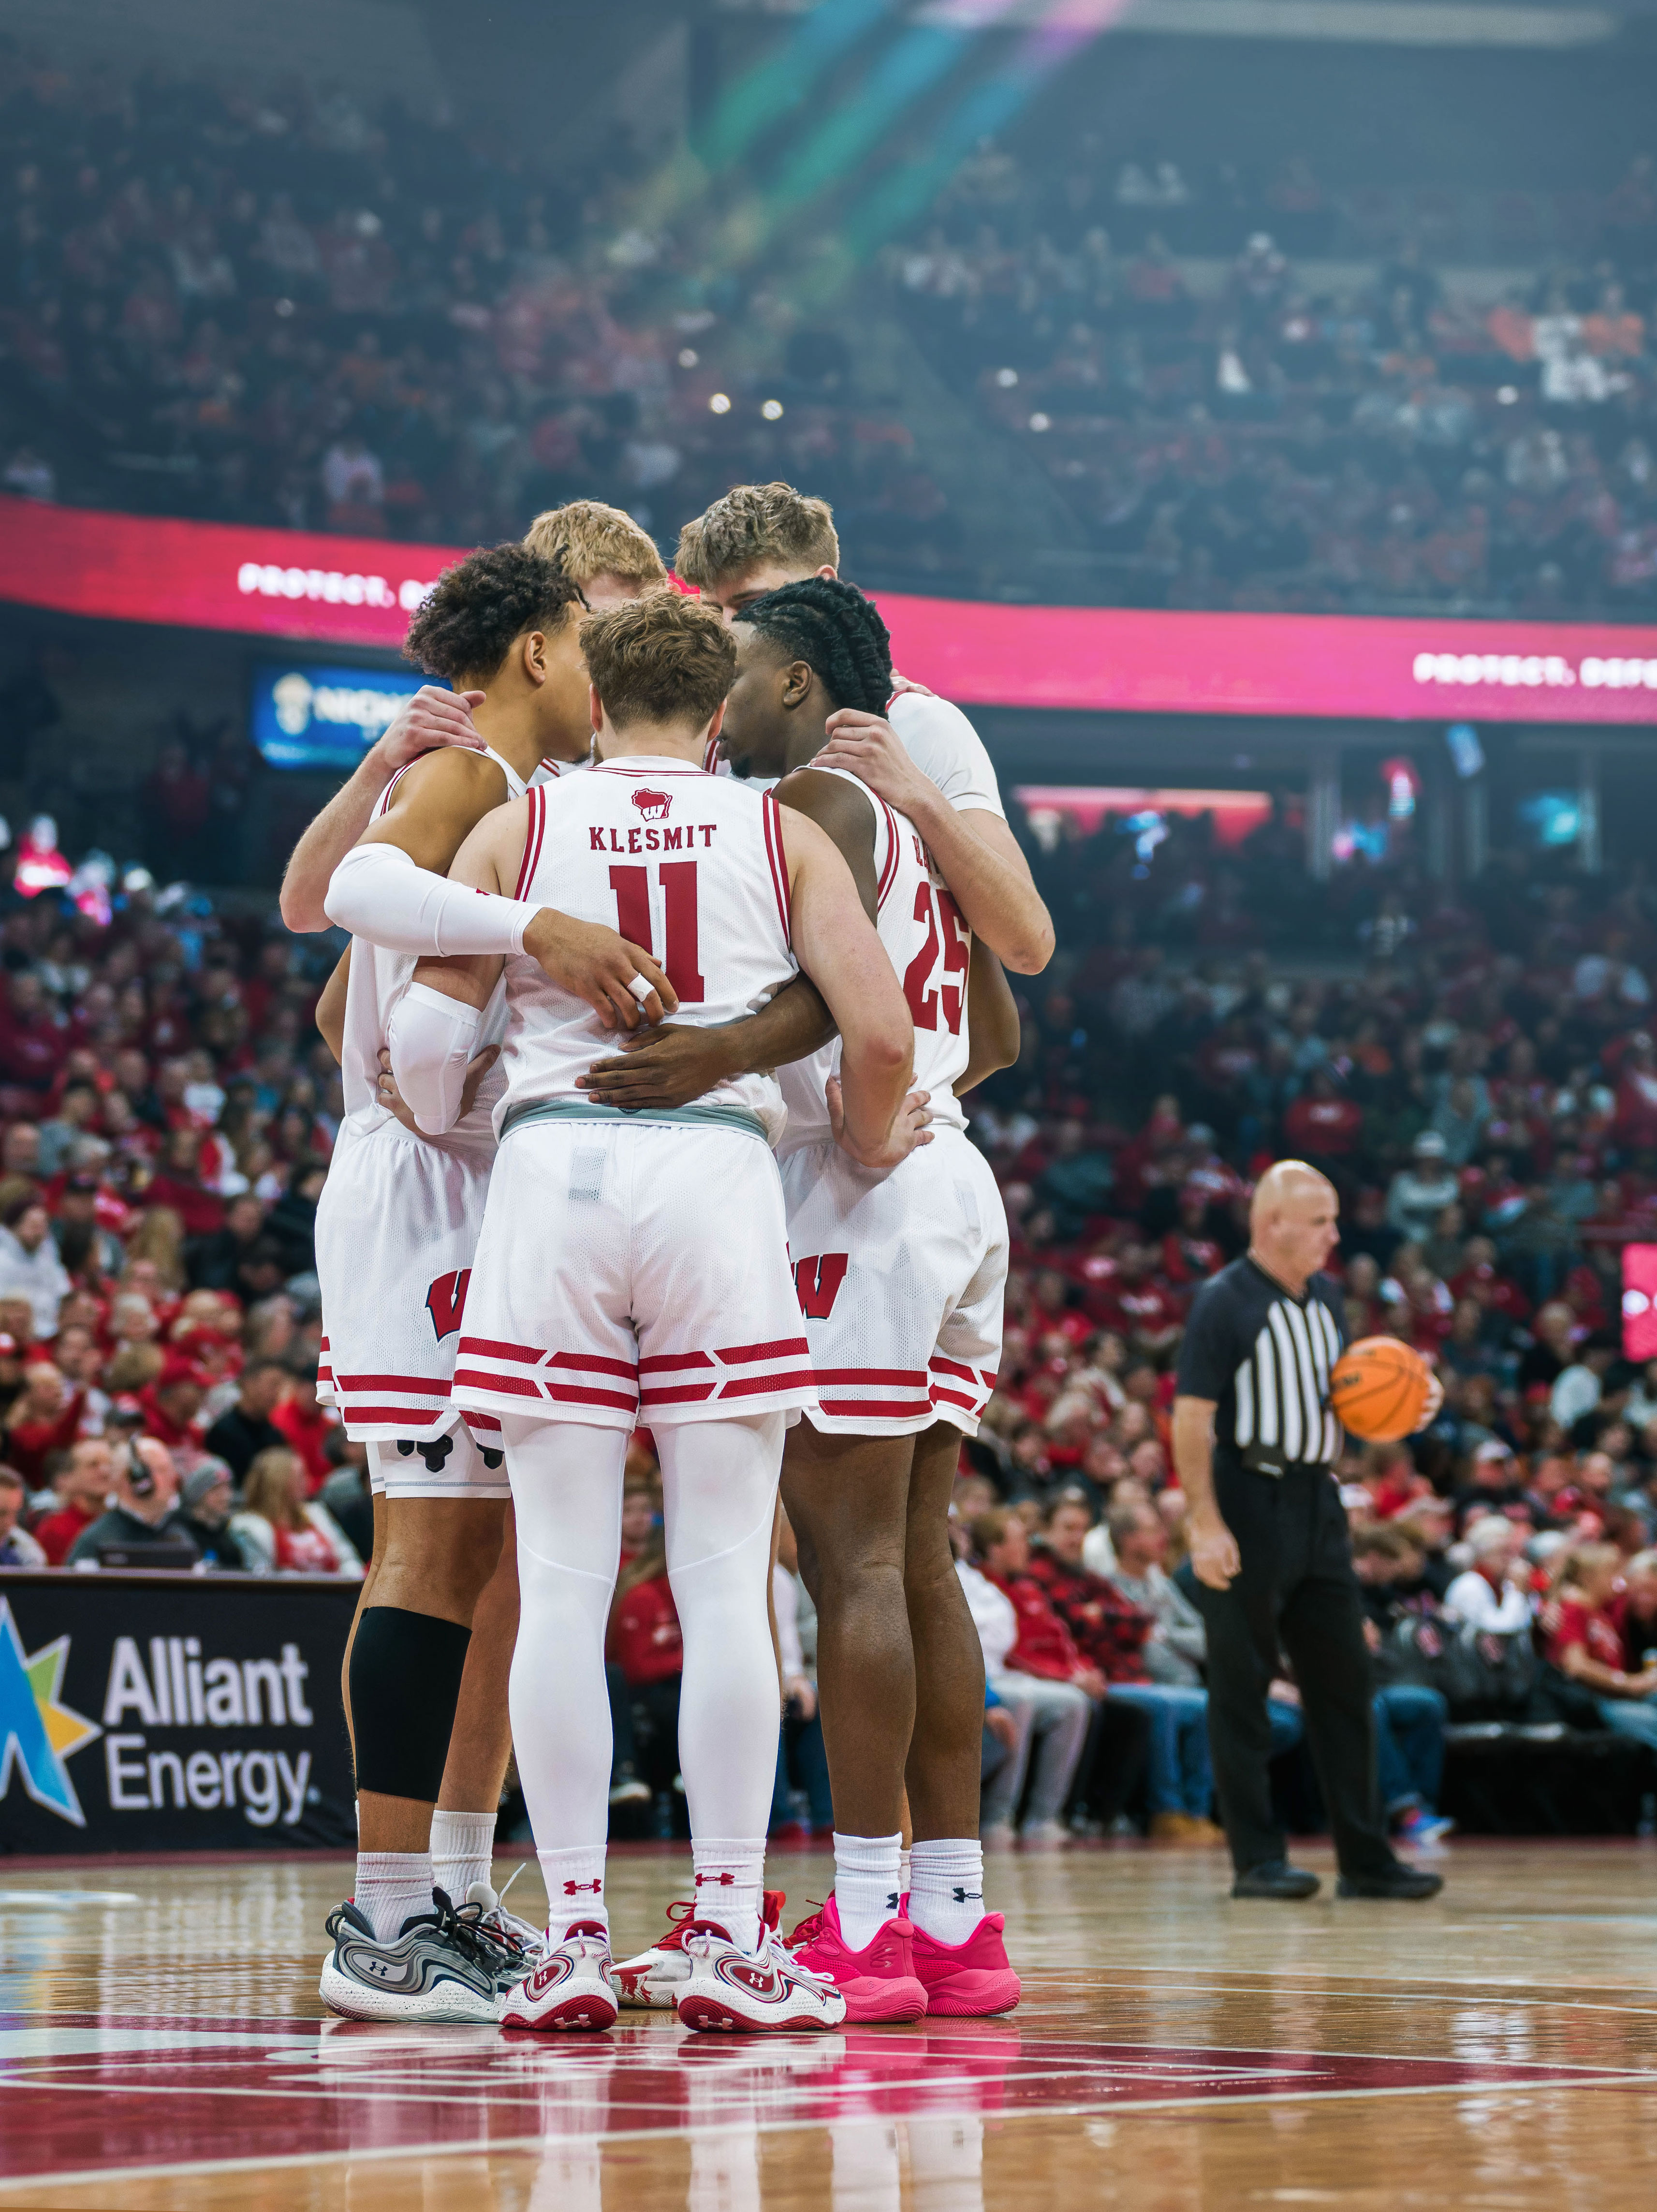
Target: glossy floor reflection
point(161, 2046)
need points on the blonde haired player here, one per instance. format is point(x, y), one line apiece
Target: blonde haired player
point(637, 1265)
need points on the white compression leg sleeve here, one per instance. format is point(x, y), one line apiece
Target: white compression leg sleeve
point(432, 1038)
point(718, 1497)
point(378, 891)
point(567, 1495)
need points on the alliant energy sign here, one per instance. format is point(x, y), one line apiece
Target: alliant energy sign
point(361, 592)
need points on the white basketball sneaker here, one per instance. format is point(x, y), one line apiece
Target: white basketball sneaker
point(573, 1986)
point(651, 1980)
point(727, 1988)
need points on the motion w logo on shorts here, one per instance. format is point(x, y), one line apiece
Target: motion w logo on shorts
point(817, 1281)
point(445, 1300)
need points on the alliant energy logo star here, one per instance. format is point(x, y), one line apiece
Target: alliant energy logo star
point(37, 1734)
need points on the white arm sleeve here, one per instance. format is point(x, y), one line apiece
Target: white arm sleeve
point(377, 892)
point(432, 1039)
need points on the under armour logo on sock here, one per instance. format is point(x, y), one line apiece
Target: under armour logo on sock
point(891, 1901)
point(967, 1896)
point(723, 1880)
point(575, 1888)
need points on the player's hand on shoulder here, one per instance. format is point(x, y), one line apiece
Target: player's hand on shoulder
point(903, 683)
point(908, 1134)
point(596, 965)
point(433, 718)
point(871, 750)
point(663, 1067)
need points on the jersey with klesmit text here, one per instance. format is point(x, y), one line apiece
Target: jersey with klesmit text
point(377, 980)
point(687, 866)
point(925, 935)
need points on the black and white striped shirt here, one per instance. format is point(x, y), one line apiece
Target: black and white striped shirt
point(1264, 1357)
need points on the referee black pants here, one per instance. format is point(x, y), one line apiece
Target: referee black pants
point(1296, 1593)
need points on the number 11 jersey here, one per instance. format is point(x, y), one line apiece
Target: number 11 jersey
point(689, 866)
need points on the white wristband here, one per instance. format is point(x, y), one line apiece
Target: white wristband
point(377, 891)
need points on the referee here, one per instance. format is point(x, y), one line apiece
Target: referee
point(1254, 1442)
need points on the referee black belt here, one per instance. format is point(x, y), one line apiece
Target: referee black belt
point(1260, 1459)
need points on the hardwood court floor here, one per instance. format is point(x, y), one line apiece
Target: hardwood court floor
point(162, 2050)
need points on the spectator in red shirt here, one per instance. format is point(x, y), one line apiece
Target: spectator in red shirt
point(172, 1402)
point(644, 1642)
point(176, 1183)
point(1322, 1124)
point(32, 1042)
point(306, 1424)
point(81, 1485)
point(1582, 1639)
point(45, 1417)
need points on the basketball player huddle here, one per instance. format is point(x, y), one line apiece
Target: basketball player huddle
point(652, 1076)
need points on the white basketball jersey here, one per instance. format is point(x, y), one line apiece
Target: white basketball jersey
point(687, 866)
point(377, 980)
point(925, 938)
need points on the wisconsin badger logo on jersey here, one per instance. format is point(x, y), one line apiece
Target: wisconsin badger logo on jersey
point(652, 805)
point(445, 1302)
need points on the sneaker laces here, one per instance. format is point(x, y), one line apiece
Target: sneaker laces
point(518, 1935)
point(808, 1929)
point(683, 1914)
point(465, 1928)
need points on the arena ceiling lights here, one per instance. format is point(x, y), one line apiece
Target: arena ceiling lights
point(1368, 22)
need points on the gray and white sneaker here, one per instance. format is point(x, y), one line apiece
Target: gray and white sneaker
point(525, 1941)
point(442, 1965)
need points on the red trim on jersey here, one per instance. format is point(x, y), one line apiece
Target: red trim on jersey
point(856, 1376)
point(750, 1386)
point(417, 1386)
point(987, 1378)
point(710, 755)
point(954, 1398)
point(786, 1347)
point(489, 1347)
point(879, 1409)
point(401, 1419)
point(661, 1359)
point(889, 873)
point(567, 1394)
point(386, 795)
point(953, 1367)
point(553, 767)
point(534, 830)
point(626, 1368)
point(650, 774)
point(510, 1386)
point(777, 852)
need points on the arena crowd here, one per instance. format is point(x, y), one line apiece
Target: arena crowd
point(1488, 1117)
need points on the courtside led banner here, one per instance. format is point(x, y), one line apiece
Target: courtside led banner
point(362, 591)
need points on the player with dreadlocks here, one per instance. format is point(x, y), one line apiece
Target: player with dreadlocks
point(901, 1269)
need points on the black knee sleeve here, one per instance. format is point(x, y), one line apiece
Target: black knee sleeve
point(405, 1684)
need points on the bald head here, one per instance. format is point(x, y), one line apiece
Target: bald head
point(1293, 1223)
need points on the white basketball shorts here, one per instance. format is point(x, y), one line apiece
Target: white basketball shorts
point(901, 1277)
point(397, 1228)
point(633, 1272)
point(456, 1464)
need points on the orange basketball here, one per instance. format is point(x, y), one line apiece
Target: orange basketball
point(1380, 1389)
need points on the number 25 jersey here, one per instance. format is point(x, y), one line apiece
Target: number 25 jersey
point(689, 866)
point(925, 935)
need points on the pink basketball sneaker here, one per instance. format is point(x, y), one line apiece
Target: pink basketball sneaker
point(878, 1982)
point(971, 1979)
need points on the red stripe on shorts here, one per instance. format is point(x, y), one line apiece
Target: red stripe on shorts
point(879, 1409)
point(507, 1385)
point(682, 1394)
point(751, 1386)
point(857, 1376)
point(953, 1367)
point(743, 1355)
point(489, 1347)
point(416, 1386)
point(660, 1359)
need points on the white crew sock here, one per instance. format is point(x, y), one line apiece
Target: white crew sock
point(392, 1887)
point(575, 1888)
point(730, 1878)
point(946, 1887)
point(462, 1848)
point(903, 1872)
point(867, 1879)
